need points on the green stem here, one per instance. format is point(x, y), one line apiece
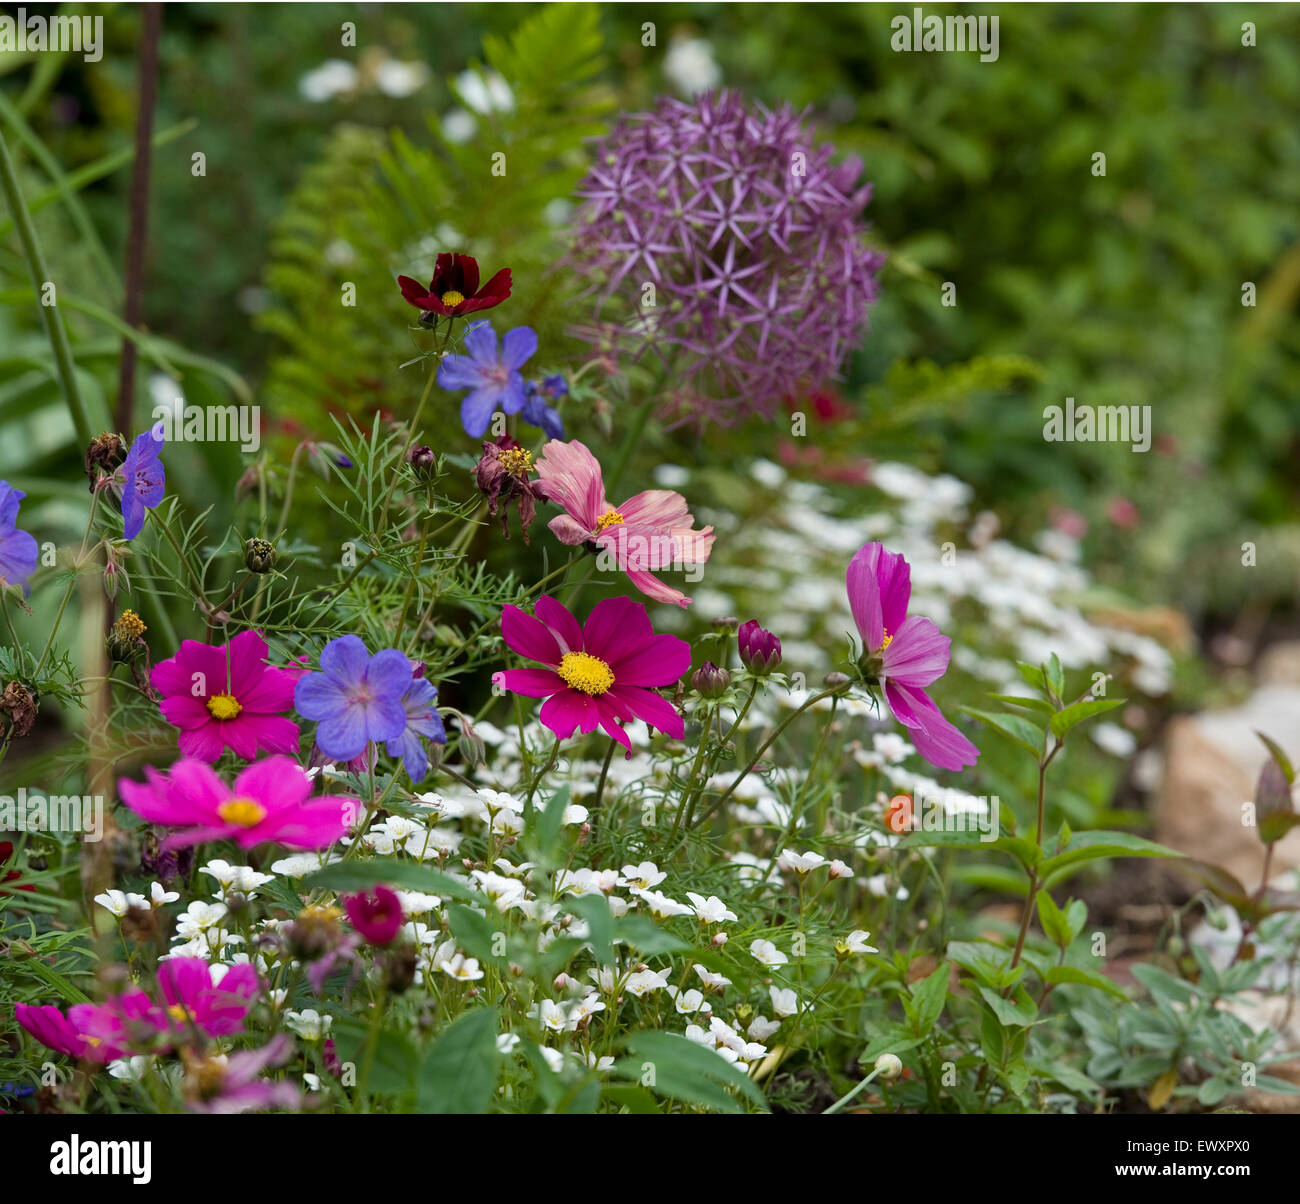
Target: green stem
point(40, 276)
point(726, 794)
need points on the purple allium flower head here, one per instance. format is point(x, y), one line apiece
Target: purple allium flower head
point(18, 551)
point(142, 479)
point(357, 698)
point(492, 377)
point(751, 238)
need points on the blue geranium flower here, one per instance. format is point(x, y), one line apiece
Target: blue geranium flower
point(537, 409)
point(356, 698)
point(492, 376)
point(422, 720)
point(142, 479)
point(18, 551)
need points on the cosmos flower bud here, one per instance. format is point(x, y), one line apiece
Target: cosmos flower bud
point(125, 639)
point(760, 650)
point(259, 555)
point(104, 457)
point(315, 932)
point(835, 680)
point(726, 625)
point(472, 748)
point(710, 680)
point(423, 461)
point(399, 968)
point(889, 1066)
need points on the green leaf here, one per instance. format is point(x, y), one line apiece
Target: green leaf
point(1016, 1012)
point(475, 933)
point(1053, 920)
point(1032, 704)
point(1084, 978)
point(1096, 845)
point(600, 923)
point(1055, 675)
point(383, 871)
point(928, 998)
point(1018, 728)
point(458, 1076)
point(1032, 674)
point(1077, 712)
point(1280, 757)
point(546, 824)
point(673, 1066)
point(392, 1072)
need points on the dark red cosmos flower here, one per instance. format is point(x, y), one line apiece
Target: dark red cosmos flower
point(377, 915)
point(7, 851)
point(454, 288)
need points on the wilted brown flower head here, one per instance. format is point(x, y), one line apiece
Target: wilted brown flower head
point(502, 474)
point(18, 705)
point(104, 457)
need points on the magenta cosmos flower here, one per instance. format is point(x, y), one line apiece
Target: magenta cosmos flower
point(651, 531)
point(226, 696)
point(602, 676)
point(187, 1001)
point(269, 801)
point(906, 653)
point(376, 915)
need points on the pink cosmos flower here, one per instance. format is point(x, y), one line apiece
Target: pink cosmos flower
point(650, 531)
point(225, 1087)
point(226, 696)
point(53, 1030)
point(601, 676)
point(906, 652)
point(269, 801)
point(188, 1002)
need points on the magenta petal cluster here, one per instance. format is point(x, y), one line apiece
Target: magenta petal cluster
point(906, 652)
point(226, 696)
point(240, 1089)
point(652, 531)
point(268, 802)
point(604, 675)
point(751, 237)
point(188, 1003)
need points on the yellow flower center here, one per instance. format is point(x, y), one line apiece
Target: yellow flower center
point(584, 672)
point(178, 1013)
point(889, 639)
point(223, 706)
point(243, 812)
point(611, 518)
point(451, 297)
point(516, 460)
point(129, 625)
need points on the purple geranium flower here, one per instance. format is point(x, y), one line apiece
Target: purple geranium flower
point(356, 698)
point(18, 551)
point(422, 719)
point(492, 377)
point(142, 480)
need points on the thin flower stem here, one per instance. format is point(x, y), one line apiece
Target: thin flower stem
point(845, 1099)
point(827, 693)
point(40, 277)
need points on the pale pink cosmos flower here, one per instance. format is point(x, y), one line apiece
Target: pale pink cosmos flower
point(904, 651)
point(649, 532)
